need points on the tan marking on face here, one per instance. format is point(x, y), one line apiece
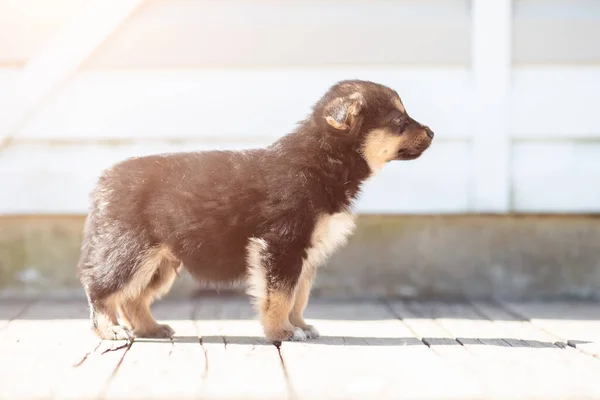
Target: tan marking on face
point(381, 147)
point(399, 105)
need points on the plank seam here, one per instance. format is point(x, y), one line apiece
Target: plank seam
point(288, 382)
point(127, 347)
point(200, 341)
point(425, 340)
point(561, 341)
point(479, 312)
point(27, 305)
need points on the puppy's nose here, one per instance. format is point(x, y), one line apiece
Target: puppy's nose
point(429, 133)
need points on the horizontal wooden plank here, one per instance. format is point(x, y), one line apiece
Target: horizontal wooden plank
point(439, 340)
point(364, 353)
point(554, 102)
point(233, 104)
point(268, 103)
point(150, 363)
point(10, 310)
point(575, 323)
point(58, 179)
point(540, 334)
point(189, 34)
point(556, 176)
point(174, 33)
point(165, 33)
point(233, 340)
point(52, 343)
point(556, 32)
point(357, 337)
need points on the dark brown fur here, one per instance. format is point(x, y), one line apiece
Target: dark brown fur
point(199, 210)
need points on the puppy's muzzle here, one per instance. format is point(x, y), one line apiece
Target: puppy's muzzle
point(429, 132)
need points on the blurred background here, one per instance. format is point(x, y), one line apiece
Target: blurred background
point(503, 204)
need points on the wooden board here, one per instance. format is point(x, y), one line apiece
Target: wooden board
point(439, 340)
point(367, 349)
point(568, 25)
point(501, 357)
point(539, 166)
point(162, 368)
point(573, 373)
point(365, 352)
point(46, 343)
point(240, 363)
point(575, 323)
point(10, 310)
point(294, 33)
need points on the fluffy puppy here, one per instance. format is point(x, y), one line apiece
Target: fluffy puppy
point(270, 216)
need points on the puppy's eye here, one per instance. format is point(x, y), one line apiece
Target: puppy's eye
point(400, 122)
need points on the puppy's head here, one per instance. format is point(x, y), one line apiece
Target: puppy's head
point(374, 117)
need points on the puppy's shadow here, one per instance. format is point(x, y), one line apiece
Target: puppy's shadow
point(257, 341)
point(361, 341)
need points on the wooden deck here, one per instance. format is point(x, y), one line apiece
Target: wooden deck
point(368, 350)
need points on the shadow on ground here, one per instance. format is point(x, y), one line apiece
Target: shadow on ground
point(356, 310)
point(364, 341)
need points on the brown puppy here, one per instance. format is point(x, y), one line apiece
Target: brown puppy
point(270, 216)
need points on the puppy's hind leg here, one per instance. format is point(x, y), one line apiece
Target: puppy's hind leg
point(135, 309)
point(102, 292)
point(272, 282)
point(137, 315)
point(104, 320)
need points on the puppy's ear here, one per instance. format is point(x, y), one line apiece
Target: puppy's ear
point(340, 112)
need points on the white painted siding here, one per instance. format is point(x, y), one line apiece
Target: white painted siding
point(511, 89)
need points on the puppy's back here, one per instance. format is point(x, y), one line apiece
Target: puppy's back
point(165, 195)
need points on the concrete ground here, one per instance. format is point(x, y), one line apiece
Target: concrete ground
point(384, 349)
point(507, 257)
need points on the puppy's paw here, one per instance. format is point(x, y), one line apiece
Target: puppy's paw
point(311, 332)
point(296, 334)
point(156, 332)
point(115, 332)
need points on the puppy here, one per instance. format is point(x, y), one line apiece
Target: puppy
point(270, 216)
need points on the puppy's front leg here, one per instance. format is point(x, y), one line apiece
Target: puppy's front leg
point(275, 317)
point(273, 278)
point(302, 294)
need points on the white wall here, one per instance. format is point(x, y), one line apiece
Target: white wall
point(511, 89)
